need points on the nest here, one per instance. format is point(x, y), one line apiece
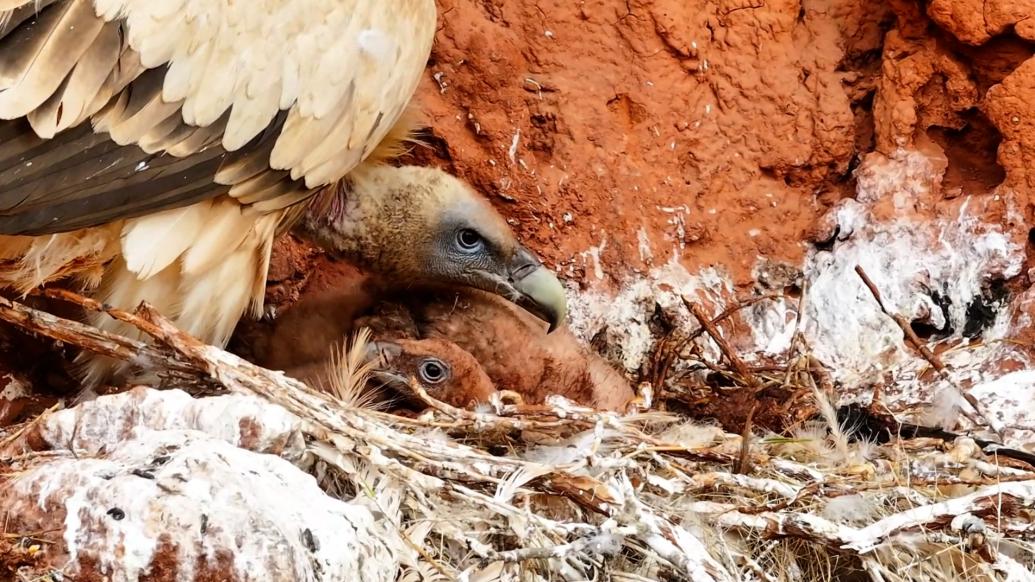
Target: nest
point(561, 492)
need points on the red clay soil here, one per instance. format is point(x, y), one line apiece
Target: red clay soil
point(720, 131)
point(715, 132)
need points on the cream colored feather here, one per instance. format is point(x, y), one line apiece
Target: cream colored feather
point(215, 300)
point(128, 68)
point(267, 233)
point(151, 243)
point(36, 261)
point(133, 128)
point(121, 287)
point(13, 248)
point(68, 107)
point(348, 372)
point(226, 228)
point(75, 32)
point(205, 302)
point(342, 70)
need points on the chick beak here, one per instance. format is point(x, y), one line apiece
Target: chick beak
point(385, 353)
point(536, 288)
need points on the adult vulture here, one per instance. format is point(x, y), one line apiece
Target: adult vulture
point(153, 149)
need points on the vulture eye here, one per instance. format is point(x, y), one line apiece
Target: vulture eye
point(433, 371)
point(469, 240)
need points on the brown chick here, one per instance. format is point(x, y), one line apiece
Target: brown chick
point(302, 334)
point(512, 347)
point(440, 367)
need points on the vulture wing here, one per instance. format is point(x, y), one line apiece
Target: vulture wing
point(114, 109)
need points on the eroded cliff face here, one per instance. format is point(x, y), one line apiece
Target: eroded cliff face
point(656, 152)
point(652, 151)
point(619, 135)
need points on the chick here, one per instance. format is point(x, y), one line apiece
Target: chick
point(511, 346)
point(446, 372)
point(303, 334)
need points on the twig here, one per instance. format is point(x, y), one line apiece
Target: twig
point(824, 381)
point(893, 427)
point(744, 460)
point(924, 351)
point(558, 552)
point(740, 305)
point(25, 428)
point(742, 370)
point(90, 338)
point(669, 348)
point(736, 363)
point(715, 480)
point(433, 402)
point(133, 319)
point(863, 540)
point(990, 499)
point(902, 322)
point(72, 332)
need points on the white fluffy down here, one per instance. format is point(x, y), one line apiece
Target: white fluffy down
point(194, 501)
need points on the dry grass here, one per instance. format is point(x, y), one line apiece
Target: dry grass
point(560, 492)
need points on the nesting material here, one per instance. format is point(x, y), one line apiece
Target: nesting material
point(184, 505)
point(510, 492)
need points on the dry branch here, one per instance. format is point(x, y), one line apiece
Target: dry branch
point(735, 361)
point(924, 351)
point(635, 503)
point(73, 333)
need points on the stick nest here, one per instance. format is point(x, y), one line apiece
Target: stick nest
point(560, 492)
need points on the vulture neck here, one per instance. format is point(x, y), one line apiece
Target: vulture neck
point(371, 218)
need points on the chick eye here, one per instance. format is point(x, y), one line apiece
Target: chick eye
point(433, 371)
point(469, 240)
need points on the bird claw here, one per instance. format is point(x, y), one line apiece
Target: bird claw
point(511, 397)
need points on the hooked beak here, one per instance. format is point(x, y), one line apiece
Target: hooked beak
point(536, 289)
point(384, 353)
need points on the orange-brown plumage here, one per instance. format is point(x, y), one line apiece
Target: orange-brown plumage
point(300, 342)
point(511, 347)
point(302, 334)
point(446, 372)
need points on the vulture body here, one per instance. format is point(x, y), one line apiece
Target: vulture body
point(512, 348)
point(153, 149)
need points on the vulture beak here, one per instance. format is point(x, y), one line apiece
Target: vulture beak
point(536, 289)
point(384, 352)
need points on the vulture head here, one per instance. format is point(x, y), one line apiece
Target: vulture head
point(415, 225)
point(440, 367)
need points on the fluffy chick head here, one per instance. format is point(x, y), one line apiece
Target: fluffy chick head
point(440, 367)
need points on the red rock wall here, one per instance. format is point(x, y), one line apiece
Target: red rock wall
point(721, 129)
point(618, 134)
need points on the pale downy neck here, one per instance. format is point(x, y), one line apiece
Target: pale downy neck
point(368, 218)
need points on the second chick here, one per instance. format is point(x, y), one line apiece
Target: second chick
point(445, 371)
